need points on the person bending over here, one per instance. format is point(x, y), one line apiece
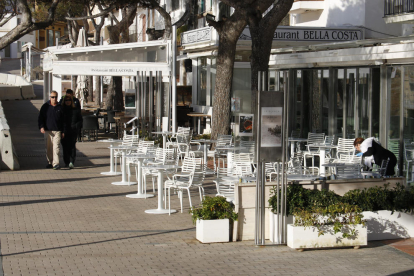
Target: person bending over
point(371, 147)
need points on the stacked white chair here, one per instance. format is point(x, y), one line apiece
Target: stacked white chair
point(127, 141)
point(345, 147)
point(313, 138)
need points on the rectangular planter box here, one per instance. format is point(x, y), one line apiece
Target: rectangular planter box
point(273, 231)
point(382, 225)
point(209, 231)
point(299, 238)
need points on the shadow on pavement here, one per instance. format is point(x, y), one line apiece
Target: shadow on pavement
point(49, 200)
point(102, 241)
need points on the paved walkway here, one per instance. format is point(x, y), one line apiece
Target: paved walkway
point(74, 222)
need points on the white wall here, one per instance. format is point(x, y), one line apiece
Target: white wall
point(13, 47)
point(352, 13)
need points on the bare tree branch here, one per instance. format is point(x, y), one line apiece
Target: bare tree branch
point(27, 24)
point(102, 13)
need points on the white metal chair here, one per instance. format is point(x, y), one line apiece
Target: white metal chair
point(163, 156)
point(222, 141)
point(348, 171)
point(345, 147)
point(313, 138)
point(181, 181)
point(127, 141)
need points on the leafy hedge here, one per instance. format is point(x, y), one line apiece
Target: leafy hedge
point(399, 198)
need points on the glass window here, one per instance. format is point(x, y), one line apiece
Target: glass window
point(57, 35)
point(242, 90)
point(363, 107)
point(350, 102)
point(175, 5)
point(224, 11)
point(50, 38)
point(202, 81)
point(212, 79)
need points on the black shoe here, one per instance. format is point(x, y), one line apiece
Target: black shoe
point(49, 166)
point(66, 165)
point(57, 167)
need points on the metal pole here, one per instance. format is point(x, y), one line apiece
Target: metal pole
point(258, 220)
point(174, 79)
point(151, 103)
point(282, 216)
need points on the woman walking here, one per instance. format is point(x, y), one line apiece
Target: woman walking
point(72, 124)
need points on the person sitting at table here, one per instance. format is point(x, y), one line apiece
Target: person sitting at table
point(372, 147)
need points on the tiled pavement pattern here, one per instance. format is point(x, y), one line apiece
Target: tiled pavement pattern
point(74, 222)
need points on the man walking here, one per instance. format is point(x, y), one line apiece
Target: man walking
point(50, 123)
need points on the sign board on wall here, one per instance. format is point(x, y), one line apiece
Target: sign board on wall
point(320, 34)
point(195, 36)
point(271, 126)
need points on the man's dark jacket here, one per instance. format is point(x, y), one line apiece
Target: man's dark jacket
point(50, 117)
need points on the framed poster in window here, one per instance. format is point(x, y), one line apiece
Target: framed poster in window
point(130, 99)
point(246, 124)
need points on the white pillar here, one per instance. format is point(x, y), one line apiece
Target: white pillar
point(57, 84)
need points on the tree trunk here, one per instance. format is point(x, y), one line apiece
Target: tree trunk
point(261, 32)
point(229, 32)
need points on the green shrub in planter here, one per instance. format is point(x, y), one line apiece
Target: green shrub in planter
point(339, 215)
point(397, 199)
point(301, 198)
point(214, 208)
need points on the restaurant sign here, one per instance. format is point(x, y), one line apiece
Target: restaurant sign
point(311, 34)
point(195, 36)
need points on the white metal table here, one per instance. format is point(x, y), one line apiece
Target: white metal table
point(139, 158)
point(124, 181)
point(205, 142)
point(161, 169)
point(293, 141)
point(322, 152)
point(230, 152)
point(111, 156)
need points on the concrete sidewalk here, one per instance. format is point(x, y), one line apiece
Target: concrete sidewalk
point(74, 222)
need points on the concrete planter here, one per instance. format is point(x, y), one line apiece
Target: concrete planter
point(273, 230)
point(300, 238)
point(382, 225)
point(209, 231)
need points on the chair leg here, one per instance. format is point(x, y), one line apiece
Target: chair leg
point(180, 194)
point(189, 197)
point(169, 201)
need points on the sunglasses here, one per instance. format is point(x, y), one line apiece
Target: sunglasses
point(53, 97)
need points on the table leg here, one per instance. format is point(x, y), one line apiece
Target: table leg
point(140, 193)
point(164, 141)
point(123, 181)
point(160, 209)
point(111, 163)
point(322, 161)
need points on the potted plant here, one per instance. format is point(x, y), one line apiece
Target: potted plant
point(337, 225)
point(213, 219)
point(388, 212)
point(297, 198)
